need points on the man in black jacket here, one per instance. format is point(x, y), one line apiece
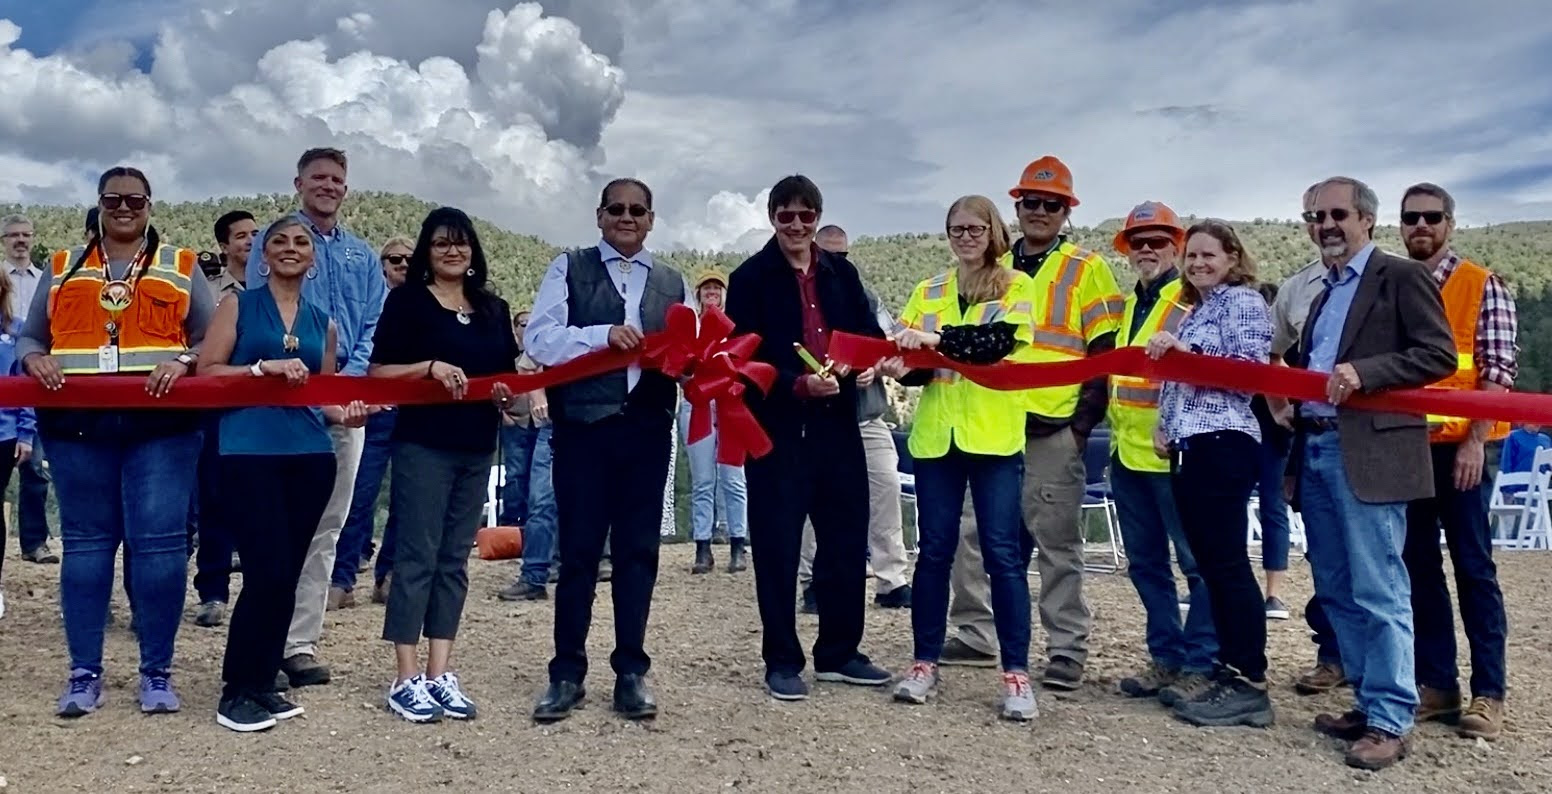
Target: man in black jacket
point(793, 293)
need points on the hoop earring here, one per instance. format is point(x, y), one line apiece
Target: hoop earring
point(264, 270)
point(469, 272)
point(312, 271)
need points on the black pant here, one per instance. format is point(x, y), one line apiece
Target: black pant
point(1212, 483)
point(32, 500)
point(823, 477)
point(436, 498)
point(7, 465)
point(1470, 539)
point(273, 531)
point(609, 477)
point(1323, 635)
point(213, 557)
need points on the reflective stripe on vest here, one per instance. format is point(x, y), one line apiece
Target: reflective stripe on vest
point(150, 331)
point(1134, 402)
point(1462, 293)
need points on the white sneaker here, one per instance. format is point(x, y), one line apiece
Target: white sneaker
point(410, 700)
point(919, 685)
point(445, 691)
point(2, 603)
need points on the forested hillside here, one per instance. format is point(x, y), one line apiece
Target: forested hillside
point(1520, 252)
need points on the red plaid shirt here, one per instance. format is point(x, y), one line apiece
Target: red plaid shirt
point(1497, 353)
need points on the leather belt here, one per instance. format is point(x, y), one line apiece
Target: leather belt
point(1315, 425)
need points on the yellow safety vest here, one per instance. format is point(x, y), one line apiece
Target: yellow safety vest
point(149, 331)
point(1134, 402)
point(1076, 301)
point(1462, 294)
point(955, 411)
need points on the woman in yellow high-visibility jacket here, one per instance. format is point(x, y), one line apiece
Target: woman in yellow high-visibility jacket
point(966, 434)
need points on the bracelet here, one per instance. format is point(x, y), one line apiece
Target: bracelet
point(430, 367)
point(257, 370)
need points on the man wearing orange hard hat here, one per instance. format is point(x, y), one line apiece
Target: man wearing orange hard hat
point(1077, 315)
point(1180, 653)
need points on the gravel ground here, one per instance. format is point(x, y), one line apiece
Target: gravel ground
point(717, 730)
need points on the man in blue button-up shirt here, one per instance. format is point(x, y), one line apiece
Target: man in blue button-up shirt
point(346, 281)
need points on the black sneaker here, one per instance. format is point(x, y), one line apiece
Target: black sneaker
point(898, 598)
point(1063, 674)
point(810, 602)
point(277, 706)
point(857, 672)
point(1276, 609)
point(243, 714)
point(1231, 700)
point(957, 652)
point(523, 591)
point(786, 686)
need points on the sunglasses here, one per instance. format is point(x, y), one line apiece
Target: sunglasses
point(787, 216)
point(112, 201)
point(635, 210)
point(975, 232)
point(1319, 216)
point(444, 244)
point(1433, 217)
point(1150, 243)
point(396, 259)
point(1032, 203)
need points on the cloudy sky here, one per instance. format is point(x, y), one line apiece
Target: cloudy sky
point(519, 112)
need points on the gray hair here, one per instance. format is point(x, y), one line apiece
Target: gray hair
point(1365, 200)
point(15, 220)
point(830, 230)
point(1430, 189)
point(279, 225)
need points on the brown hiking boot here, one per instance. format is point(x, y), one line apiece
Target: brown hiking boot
point(1437, 705)
point(339, 598)
point(304, 669)
point(380, 590)
point(1185, 688)
point(1376, 750)
point(1321, 678)
point(1484, 719)
point(1147, 683)
point(1348, 727)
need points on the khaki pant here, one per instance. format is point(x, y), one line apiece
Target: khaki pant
point(312, 590)
point(886, 540)
point(1053, 504)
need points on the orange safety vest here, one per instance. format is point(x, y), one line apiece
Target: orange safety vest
point(1463, 308)
point(150, 331)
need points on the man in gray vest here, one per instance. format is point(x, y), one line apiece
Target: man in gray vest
point(611, 441)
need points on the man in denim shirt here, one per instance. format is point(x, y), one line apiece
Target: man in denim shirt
point(347, 282)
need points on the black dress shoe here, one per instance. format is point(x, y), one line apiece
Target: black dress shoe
point(632, 699)
point(558, 701)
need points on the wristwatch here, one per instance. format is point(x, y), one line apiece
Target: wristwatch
point(257, 370)
point(186, 359)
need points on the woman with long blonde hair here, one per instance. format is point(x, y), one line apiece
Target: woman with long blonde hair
point(965, 435)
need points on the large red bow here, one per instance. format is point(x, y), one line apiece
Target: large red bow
point(717, 367)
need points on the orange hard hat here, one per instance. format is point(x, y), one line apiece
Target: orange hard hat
point(1150, 215)
point(1046, 175)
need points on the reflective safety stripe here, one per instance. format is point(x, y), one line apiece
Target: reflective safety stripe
point(929, 322)
point(1066, 343)
point(936, 292)
point(129, 361)
point(1140, 397)
point(1059, 300)
point(1174, 317)
point(945, 376)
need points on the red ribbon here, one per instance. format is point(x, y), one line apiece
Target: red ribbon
point(717, 367)
point(860, 352)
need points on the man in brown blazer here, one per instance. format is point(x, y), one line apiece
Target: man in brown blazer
point(1378, 325)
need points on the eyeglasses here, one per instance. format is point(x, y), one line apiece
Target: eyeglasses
point(397, 259)
point(135, 201)
point(444, 244)
point(1319, 216)
point(1052, 206)
point(975, 232)
point(635, 210)
point(1433, 217)
point(1150, 243)
point(787, 216)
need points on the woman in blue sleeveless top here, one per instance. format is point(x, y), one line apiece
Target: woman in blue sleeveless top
point(286, 458)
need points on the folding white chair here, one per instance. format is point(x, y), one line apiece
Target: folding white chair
point(493, 493)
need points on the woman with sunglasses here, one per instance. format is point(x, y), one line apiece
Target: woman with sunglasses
point(442, 325)
point(355, 540)
point(283, 453)
point(966, 435)
point(123, 303)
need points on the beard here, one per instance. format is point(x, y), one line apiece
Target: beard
point(1422, 247)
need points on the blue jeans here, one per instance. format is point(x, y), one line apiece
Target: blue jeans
point(996, 488)
point(1274, 508)
point(517, 452)
point(134, 493)
point(1145, 504)
point(539, 532)
point(707, 478)
point(361, 521)
point(1355, 550)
